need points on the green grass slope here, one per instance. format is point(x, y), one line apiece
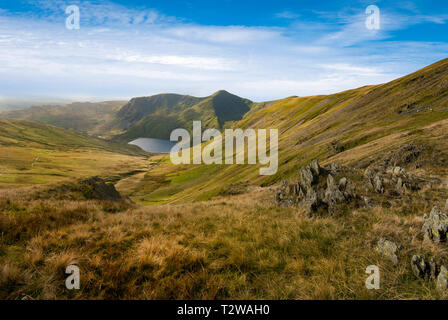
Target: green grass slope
point(354, 127)
point(36, 153)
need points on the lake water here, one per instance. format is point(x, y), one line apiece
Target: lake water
point(154, 145)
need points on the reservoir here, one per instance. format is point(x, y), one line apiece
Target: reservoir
point(154, 145)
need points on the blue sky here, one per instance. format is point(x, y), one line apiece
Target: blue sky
point(261, 50)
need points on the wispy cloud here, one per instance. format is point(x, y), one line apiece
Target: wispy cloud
point(121, 52)
point(287, 15)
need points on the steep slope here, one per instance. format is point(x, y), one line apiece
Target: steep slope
point(80, 116)
point(355, 127)
point(157, 116)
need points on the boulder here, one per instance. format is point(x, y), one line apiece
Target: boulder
point(378, 184)
point(442, 279)
point(435, 227)
point(97, 188)
point(387, 249)
point(423, 269)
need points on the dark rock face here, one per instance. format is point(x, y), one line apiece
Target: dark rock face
point(97, 188)
point(388, 249)
point(311, 192)
point(435, 227)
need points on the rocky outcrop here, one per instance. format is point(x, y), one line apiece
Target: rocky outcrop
point(97, 188)
point(315, 188)
point(435, 227)
point(394, 180)
point(388, 249)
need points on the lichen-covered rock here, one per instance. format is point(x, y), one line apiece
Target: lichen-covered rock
point(387, 249)
point(435, 227)
point(423, 269)
point(420, 267)
point(442, 279)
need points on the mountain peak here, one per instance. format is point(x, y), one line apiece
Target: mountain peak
point(221, 92)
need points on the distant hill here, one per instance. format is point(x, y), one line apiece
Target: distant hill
point(88, 117)
point(152, 117)
point(158, 115)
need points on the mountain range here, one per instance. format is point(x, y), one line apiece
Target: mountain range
point(151, 117)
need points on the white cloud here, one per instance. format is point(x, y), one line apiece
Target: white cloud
point(135, 53)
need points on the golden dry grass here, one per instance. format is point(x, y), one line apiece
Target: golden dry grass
point(238, 247)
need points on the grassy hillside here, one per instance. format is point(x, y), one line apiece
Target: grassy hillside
point(207, 232)
point(238, 247)
point(36, 153)
point(354, 127)
point(157, 116)
point(80, 116)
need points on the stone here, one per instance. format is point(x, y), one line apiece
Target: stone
point(435, 227)
point(334, 166)
point(368, 203)
point(398, 171)
point(446, 206)
point(332, 194)
point(401, 186)
point(315, 168)
point(311, 201)
point(342, 183)
point(442, 279)
point(306, 177)
point(387, 249)
point(378, 184)
point(434, 269)
point(420, 267)
point(350, 190)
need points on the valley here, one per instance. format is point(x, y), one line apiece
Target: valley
point(196, 231)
